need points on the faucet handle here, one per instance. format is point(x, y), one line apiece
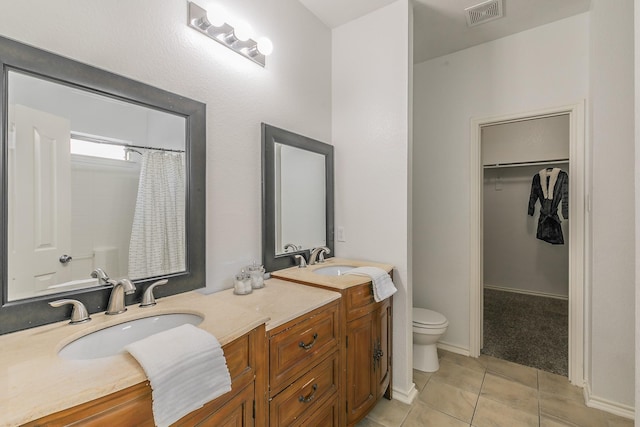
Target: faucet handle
point(323, 251)
point(79, 313)
point(148, 300)
point(301, 261)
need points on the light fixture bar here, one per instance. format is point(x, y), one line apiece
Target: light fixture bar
point(224, 34)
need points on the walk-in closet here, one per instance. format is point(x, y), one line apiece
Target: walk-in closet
point(525, 241)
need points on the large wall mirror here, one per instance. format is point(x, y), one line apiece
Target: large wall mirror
point(98, 172)
point(297, 196)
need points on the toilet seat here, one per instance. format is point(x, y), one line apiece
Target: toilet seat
point(424, 318)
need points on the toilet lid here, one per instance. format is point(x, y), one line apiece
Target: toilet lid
point(422, 316)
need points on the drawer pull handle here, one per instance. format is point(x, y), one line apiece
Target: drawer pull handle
point(310, 397)
point(308, 346)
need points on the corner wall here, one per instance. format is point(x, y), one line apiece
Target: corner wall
point(371, 137)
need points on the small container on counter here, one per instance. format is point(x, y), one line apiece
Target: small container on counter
point(257, 275)
point(242, 284)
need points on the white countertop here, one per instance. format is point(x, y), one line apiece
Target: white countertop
point(36, 382)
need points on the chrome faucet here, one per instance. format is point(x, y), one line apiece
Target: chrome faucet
point(102, 277)
point(317, 255)
point(290, 247)
point(116, 300)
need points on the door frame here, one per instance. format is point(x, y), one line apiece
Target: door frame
point(577, 215)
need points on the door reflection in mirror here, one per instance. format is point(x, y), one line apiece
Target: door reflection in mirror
point(85, 205)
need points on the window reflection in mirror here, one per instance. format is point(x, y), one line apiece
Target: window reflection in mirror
point(124, 213)
point(300, 199)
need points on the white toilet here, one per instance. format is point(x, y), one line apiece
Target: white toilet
point(428, 327)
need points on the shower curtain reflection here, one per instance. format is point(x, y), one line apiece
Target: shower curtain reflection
point(158, 233)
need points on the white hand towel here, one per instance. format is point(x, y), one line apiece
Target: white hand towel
point(383, 286)
point(186, 368)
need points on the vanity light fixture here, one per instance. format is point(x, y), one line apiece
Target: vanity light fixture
point(235, 39)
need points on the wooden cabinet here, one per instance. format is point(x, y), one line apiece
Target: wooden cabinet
point(304, 369)
point(368, 355)
point(244, 405)
point(365, 351)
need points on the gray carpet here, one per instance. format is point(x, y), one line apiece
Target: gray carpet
point(528, 330)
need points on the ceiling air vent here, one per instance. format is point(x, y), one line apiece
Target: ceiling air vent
point(483, 12)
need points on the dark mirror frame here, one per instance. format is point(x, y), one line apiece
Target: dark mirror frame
point(15, 56)
point(271, 135)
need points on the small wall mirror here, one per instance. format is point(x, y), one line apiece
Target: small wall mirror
point(297, 194)
point(99, 171)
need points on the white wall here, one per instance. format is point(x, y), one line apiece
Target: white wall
point(536, 69)
point(513, 258)
point(146, 42)
point(612, 219)
point(371, 138)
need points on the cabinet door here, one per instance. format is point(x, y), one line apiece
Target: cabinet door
point(382, 363)
point(361, 381)
point(238, 412)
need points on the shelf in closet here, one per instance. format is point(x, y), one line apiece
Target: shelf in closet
point(518, 164)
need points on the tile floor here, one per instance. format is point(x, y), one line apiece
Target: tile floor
point(489, 392)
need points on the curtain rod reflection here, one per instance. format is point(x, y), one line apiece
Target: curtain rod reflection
point(123, 144)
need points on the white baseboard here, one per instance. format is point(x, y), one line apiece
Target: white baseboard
point(615, 408)
point(405, 396)
point(527, 292)
point(454, 349)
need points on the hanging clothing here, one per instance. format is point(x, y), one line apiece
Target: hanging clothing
point(551, 187)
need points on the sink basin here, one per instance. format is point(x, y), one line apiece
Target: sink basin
point(112, 340)
point(333, 270)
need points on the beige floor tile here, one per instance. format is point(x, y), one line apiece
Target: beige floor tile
point(464, 361)
point(389, 413)
point(420, 379)
point(366, 422)
point(451, 400)
point(423, 416)
point(568, 410)
point(459, 376)
point(522, 374)
point(510, 393)
point(549, 422)
point(490, 413)
point(549, 383)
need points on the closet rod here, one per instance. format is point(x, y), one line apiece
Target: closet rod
point(516, 164)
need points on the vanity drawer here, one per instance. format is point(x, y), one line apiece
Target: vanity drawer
point(305, 341)
point(311, 391)
point(359, 301)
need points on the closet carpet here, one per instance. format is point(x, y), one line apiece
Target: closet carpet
point(528, 330)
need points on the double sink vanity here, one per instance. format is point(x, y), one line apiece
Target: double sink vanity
point(307, 349)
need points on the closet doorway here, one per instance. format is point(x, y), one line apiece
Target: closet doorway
point(510, 265)
point(525, 258)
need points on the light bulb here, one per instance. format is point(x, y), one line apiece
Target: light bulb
point(265, 46)
point(216, 15)
point(242, 31)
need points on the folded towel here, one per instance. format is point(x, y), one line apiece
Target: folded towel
point(383, 286)
point(186, 368)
